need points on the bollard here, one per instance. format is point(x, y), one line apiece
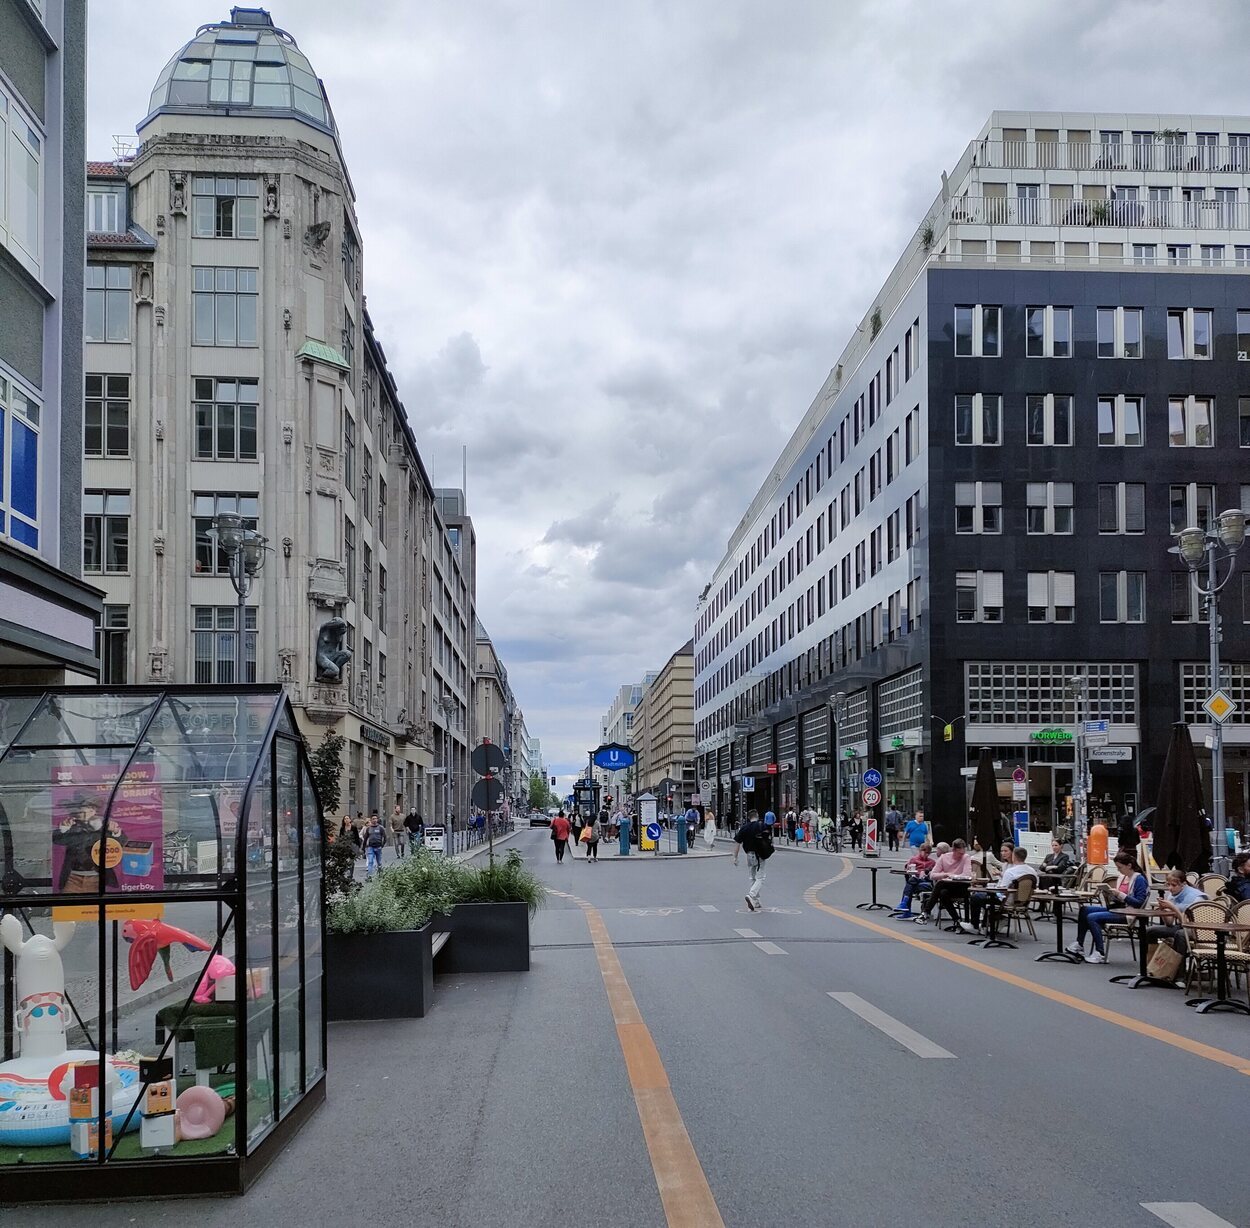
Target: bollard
point(624, 837)
point(681, 835)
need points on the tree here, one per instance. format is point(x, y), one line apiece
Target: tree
point(326, 763)
point(540, 792)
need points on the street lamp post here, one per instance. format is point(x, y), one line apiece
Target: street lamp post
point(1214, 546)
point(245, 553)
point(1075, 688)
point(837, 709)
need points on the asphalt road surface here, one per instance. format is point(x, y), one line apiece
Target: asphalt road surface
point(673, 1059)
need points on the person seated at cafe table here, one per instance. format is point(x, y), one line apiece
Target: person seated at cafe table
point(984, 864)
point(1238, 885)
point(1010, 876)
point(950, 876)
point(1178, 897)
point(1057, 864)
point(917, 880)
point(1131, 890)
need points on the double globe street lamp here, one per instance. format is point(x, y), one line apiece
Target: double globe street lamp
point(245, 555)
point(1214, 546)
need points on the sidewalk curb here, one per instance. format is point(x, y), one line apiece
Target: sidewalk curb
point(478, 849)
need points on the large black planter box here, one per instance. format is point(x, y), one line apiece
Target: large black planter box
point(486, 938)
point(380, 976)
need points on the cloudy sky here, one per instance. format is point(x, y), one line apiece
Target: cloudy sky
point(616, 248)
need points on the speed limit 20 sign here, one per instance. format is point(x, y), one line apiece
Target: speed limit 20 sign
point(872, 797)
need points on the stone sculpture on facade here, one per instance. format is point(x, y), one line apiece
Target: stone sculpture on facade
point(332, 650)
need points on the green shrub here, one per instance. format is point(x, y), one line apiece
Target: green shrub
point(408, 893)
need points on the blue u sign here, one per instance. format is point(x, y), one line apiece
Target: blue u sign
point(614, 757)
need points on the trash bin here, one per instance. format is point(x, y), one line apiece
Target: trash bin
point(681, 835)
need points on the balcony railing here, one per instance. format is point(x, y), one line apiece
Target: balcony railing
point(1159, 155)
point(1048, 211)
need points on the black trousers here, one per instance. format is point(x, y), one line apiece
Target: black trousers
point(945, 893)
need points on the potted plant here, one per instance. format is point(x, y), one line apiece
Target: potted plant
point(380, 938)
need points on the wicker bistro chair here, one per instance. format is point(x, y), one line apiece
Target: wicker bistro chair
point(1237, 952)
point(1015, 907)
point(1202, 941)
point(1212, 884)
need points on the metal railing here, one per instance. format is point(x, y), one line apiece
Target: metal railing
point(1157, 155)
point(1133, 214)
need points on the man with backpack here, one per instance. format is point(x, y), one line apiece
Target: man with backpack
point(756, 839)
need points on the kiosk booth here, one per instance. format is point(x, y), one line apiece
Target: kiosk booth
point(164, 1013)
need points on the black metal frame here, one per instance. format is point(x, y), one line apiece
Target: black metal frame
point(108, 1177)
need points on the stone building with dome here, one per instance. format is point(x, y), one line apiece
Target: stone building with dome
point(231, 367)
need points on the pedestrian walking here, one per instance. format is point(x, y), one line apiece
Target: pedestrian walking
point(893, 824)
point(414, 825)
point(374, 842)
point(792, 823)
point(755, 839)
point(594, 833)
point(560, 829)
point(399, 834)
point(709, 827)
point(576, 825)
point(857, 831)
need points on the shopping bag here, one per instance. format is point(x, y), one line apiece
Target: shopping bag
point(1164, 963)
point(588, 834)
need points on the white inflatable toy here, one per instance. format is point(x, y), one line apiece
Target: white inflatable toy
point(34, 1102)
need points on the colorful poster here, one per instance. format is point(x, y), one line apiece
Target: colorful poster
point(131, 850)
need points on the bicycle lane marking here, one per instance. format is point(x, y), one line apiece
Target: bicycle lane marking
point(684, 1191)
point(1195, 1047)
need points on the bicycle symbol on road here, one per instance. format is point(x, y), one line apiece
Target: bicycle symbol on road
point(649, 912)
point(788, 912)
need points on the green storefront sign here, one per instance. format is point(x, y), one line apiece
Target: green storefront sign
point(1051, 735)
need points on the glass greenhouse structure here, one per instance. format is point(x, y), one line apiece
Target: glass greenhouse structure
point(160, 880)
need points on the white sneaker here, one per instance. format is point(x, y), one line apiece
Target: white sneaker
point(920, 920)
point(965, 928)
point(1095, 957)
point(1075, 948)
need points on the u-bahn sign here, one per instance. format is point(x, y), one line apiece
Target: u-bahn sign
point(613, 757)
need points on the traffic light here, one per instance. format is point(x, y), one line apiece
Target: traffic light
point(948, 733)
point(553, 782)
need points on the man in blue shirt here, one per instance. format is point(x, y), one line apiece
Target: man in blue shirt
point(916, 832)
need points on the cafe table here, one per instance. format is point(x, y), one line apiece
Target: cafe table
point(872, 904)
point(1221, 1001)
point(1059, 899)
point(1141, 980)
point(992, 939)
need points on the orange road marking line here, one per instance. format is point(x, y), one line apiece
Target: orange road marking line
point(1195, 1047)
point(679, 1177)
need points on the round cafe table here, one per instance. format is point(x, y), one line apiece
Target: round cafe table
point(1141, 980)
point(871, 905)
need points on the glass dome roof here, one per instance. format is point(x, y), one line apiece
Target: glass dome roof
point(244, 64)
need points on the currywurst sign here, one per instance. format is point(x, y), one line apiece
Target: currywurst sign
point(613, 757)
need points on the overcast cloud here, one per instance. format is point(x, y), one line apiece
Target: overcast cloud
point(616, 249)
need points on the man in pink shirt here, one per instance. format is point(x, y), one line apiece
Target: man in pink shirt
point(950, 877)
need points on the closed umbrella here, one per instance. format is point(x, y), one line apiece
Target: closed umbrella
point(1181, 839)
point(986, 813)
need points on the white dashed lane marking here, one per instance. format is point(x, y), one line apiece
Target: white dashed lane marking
point(748, 934)
point(769, 948)
point(921, 1046)
point(1185, 1215)
point(708, 908)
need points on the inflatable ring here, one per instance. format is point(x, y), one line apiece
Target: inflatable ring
point(201, 1112)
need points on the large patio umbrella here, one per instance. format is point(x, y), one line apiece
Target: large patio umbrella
point(986, 814)
point(1181, 839)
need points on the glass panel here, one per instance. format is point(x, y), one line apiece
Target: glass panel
point(14, 712)
point(1132, 422)
point(1106, 332)
point(260, 980)
point(1035, 331)
point(287, 844)
point(73, 720)
point(314, 1058)
point(1132, 332)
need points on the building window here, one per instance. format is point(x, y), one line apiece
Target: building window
point(366, 485)
point(224, 208)
point(215, 638)
point(381, 596)
point(349, 339)
point(1052, 596)
point(1212, 255)
point(106, 416)
point(978, 331)
point(1033, 693)
point(381, 509)
point(112, 643)
point(106, 308)
point(1049, 507)
point(1187, 606)
point(366, 579)
point(979, 596)
point(19, 464)
point(1121, 507)
point(1120, 422)
point(105, 531)
point(105, 215)
point(1191, 422)
point(351, 255)
point(224, 306)
point(225, 418)
point(1189, 333)
point(1179, 253)
point(1243, 421)
point(1048, 332)
point(978, 419)
point(1122, 596)
point(1048, 420)
point(210, 559)
point(978, 507)
point(349, 452)
point(1119, 332)
point(21, 184)
point(349, 557)
point(1191, 504)
point(1144, 253)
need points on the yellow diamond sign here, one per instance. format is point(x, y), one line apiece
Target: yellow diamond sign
point(1220, 707)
